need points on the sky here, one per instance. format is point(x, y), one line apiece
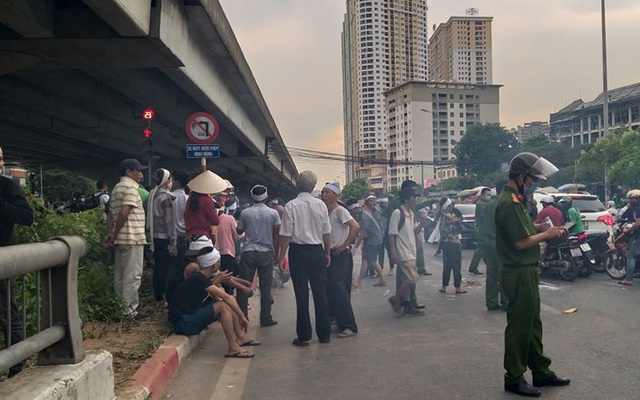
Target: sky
point(546, 53)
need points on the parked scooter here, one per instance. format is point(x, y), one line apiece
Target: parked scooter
point(584, 257)
point(617, 268)
point(599, 243)
point(559, 259)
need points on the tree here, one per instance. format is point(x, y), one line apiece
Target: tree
point(561, 155)
point(58, 184)
point(356, 189)
point(482, 149)
point(618, 153)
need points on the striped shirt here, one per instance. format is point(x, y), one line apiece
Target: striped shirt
point(126, 193)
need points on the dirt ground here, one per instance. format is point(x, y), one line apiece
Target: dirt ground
point(130, 342)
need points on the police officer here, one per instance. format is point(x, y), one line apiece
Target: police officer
point(518, 249)
point(495, 298)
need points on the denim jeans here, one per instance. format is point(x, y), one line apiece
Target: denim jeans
point(634, 251)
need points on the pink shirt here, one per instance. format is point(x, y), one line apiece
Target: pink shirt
point(227, 235)
point(553, 213)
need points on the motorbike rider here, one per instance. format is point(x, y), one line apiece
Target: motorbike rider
point(573, 215)
point(517, 244)
point(550, 211)
point(633, 231)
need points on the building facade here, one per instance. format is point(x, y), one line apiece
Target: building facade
point(427, 119)
point(581, 123)
point(532, 129)
point(384, 43)
point(460, 50)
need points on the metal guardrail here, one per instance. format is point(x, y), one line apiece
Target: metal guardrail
point(59, 340)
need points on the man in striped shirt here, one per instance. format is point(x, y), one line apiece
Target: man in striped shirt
point(125, 226)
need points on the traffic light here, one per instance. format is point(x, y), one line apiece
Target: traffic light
point(148, 114)
point(147, 133)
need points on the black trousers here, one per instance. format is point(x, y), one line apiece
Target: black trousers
point(262, 261)
point(16, 320)
point(162, 261)
point(339, 290)
point(228, 263)
point(451, 261)
point(307, 267)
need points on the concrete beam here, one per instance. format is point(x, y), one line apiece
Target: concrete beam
point(130, 18)
point(29, 18)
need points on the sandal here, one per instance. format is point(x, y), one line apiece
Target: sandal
point(251, 342)
point(442, 290)
point(460, 291)
point(240, 354)
point(347, 333)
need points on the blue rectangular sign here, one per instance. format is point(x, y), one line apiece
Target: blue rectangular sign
point(203, 150)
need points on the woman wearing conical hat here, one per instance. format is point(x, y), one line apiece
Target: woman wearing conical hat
point(200, 214)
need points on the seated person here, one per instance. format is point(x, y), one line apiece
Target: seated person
point(191, 311)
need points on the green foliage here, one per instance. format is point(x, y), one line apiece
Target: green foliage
point(618, 152)
point(356, 189)
point(96, 297)
point(58, 184)
point(561, 155)
point(482, 149)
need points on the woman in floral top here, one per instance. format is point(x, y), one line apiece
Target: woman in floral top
point(450, 230)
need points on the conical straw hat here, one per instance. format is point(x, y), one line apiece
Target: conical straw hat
point(207, 183)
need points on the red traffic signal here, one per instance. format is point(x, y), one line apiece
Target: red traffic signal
point(147, 114)
point(147, 133)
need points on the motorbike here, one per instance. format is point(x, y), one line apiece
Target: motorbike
point(584, 257)
point(617, 268)
point(559, 258)
point(600, 249)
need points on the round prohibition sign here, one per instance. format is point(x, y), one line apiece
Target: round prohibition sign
point(202, 128)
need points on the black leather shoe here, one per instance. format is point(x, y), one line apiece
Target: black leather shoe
point(522, 388)
point(418, 306)
point(551, 380)
point(475, 272)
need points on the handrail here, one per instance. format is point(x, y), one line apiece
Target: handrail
point(56, 261)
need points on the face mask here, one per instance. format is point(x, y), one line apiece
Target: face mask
point(532, 189)
point(487, 198)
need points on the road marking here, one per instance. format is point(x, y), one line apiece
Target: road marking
point(233, 377)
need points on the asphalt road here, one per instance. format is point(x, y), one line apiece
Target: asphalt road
point(454, 352)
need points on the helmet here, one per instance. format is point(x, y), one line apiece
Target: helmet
point(566, 199)
point(611, 203)
point(633, 193)
point(531, 164)
point(548, 199)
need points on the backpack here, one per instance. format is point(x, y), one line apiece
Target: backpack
point(95, 200)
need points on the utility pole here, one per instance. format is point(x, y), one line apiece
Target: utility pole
point(605, 94)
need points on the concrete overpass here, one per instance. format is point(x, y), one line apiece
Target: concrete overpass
point(75, 76)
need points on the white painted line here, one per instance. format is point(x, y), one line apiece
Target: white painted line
point(233, 377)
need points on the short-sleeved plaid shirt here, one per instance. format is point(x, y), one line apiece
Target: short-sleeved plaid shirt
point(124, 193)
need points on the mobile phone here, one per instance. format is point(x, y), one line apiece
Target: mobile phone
point(569, 225)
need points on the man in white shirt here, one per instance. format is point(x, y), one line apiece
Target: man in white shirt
point(305, 226)
point(344, 230)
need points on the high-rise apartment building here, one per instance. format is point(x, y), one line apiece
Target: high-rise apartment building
point(460, 50)
point(384, 43)
point(532, 129)
point(428, 119)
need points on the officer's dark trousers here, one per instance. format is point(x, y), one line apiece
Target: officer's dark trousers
point(307, 267)
point(523, 334)
point(262, 261)
point(494, 294)
point(451, 261)
point(339, 290)
point(16, 320)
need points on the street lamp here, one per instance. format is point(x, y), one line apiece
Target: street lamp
point(605, 93)
point(422, 162)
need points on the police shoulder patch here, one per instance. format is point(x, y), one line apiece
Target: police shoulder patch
point(515, 198)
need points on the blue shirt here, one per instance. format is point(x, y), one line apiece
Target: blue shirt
point(368, 224)
point(258, 222)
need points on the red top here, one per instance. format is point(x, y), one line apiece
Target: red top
point(553, 213)
point(198, 223)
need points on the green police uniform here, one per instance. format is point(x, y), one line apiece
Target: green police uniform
point(481, 242)
point(523, 334)
point(494, 295)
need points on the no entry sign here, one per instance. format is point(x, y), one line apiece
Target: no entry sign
point(202, 128)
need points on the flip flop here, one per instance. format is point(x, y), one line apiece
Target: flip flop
point(240, 354)
point(379, 284)
point(442, 291)
point(461, 291)
point(251, 342)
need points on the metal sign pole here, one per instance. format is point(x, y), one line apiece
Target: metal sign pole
point(203, 164)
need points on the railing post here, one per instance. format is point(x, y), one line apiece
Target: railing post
point(62, 305)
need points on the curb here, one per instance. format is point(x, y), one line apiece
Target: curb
point(157, 371)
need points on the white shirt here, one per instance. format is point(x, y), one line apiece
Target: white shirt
point(305, 220)
point(405, 237)
point(339, 228)
point(179, 205)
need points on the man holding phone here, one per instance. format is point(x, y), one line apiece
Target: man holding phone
point(518, 249)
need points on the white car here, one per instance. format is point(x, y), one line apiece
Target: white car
point(595, 217)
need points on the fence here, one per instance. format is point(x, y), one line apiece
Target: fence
point(59, 336)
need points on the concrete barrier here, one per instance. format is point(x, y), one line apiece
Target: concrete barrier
point(91, 378)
